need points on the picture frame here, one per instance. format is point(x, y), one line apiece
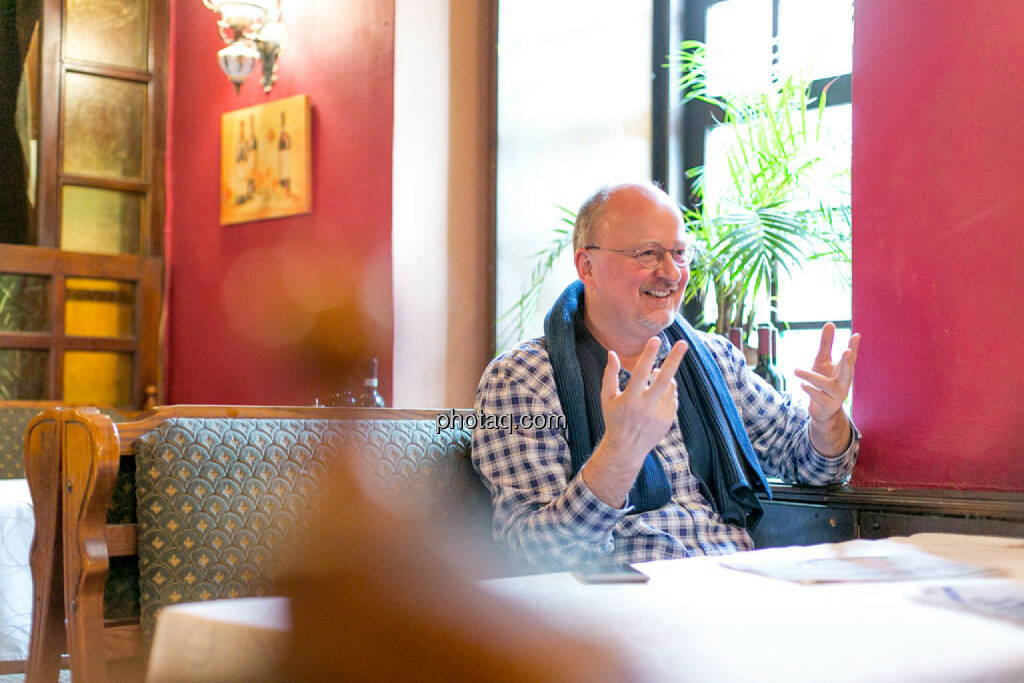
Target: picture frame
point(265, 161)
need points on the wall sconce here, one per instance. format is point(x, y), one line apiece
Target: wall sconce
point(253, 31)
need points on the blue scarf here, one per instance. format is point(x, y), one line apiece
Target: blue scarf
point(721, 456)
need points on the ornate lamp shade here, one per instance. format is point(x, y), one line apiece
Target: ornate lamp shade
point(236, 61)
point(253, 31)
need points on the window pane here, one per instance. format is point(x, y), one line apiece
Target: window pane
point(24, 303)
point(103, 126)
point(100, 221)
point(110, 31)
point(739, 40)
point(816, 37)
point(98, 378)
point(818, 291)
point(99, 308)
point(23, 374)
point(829, 181)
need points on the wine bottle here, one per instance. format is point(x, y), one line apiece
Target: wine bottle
point(284, 146)
point(370, 398)
point(253, 157)
point(736, 337)
point(765, 368)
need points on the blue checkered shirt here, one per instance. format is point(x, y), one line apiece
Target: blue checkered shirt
point(546, 518)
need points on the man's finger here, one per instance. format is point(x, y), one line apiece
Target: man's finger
point(643, 367)
point(846, 369)
point(828, 333)
point(610, 381)
point(670, 365)
point(854, 345)
point(817, 396)
point(821, 382)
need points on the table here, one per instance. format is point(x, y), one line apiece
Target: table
point(17, 524)
point(218, 640)
point(694, 621)
point(699, 621)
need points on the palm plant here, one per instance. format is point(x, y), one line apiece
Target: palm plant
point(770, 217)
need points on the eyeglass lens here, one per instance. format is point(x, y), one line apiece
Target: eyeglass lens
point(652, 256)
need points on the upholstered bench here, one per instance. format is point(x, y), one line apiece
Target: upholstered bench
point(195, 502)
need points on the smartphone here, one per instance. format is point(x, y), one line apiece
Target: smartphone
point(610, 573)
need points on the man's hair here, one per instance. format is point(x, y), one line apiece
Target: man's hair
point(591, 210)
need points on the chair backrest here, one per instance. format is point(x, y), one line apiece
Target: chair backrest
point(192, 503)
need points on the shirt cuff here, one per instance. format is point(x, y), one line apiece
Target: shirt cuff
point(836, 467)
point(592, 518)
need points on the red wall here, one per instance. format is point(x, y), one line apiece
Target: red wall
point(282, 311)
point(938, 207)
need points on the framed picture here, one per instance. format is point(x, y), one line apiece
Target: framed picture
point(265, 165)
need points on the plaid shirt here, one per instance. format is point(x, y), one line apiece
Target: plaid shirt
point(552, 521)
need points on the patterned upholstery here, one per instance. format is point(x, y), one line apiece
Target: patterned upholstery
point(218, 499)
point(13, 422)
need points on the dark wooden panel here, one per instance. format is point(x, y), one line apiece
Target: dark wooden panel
point(797, 524)
point(1007, 505)
point(874, 524)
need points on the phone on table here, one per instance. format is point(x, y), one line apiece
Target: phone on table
point(610, 573)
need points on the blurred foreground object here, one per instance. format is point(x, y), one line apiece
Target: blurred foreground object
point(372, 599)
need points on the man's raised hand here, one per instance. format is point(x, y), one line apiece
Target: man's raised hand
point(638, 417)
point(828, 384)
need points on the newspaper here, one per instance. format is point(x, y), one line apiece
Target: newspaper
point(1002, 600)
point(857, 568)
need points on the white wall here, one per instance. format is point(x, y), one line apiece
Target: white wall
point(440, 198)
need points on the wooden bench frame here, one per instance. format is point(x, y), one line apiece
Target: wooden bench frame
point(72, 456)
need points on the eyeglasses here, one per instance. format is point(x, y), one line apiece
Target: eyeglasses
point(653, 255)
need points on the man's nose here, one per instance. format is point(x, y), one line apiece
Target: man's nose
point(669, 269)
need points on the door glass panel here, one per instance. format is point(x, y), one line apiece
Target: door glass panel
point(23, 374)
point(100, 221)
point(98, 377)
point(24, 303)
point(109, 31)
point(99, 308)
point(19, 124)
point(103, 126)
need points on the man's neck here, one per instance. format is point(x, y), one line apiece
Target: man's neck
point(628, 349)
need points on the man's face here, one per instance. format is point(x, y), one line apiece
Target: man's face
point(628, 300)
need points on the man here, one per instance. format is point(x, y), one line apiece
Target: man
point(668, 466)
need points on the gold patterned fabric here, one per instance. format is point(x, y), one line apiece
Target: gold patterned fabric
point(13, 422)
point(219, 499)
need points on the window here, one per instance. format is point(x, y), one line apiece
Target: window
point(810, 38)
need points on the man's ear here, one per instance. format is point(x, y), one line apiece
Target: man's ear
point(584, 266)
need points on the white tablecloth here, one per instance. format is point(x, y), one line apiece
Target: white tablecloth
point(695, 621)
point(218, 640)
point(17, 524)
point(698, 621)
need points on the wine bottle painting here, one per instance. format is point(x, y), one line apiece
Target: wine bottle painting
point(265, 161)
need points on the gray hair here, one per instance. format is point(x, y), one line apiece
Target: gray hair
point(591, 210)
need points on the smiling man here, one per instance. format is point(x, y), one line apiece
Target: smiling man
point(668, 465)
